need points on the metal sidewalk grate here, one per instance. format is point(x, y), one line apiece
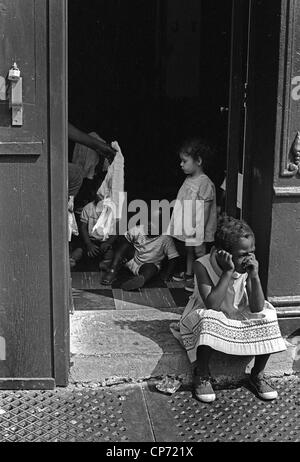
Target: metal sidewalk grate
point(236, 415)
point(127, 414)
point(62, 416)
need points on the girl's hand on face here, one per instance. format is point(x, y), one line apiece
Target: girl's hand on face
point(250, 264)
point(224, 260)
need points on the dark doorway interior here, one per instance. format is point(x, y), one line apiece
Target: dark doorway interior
point(149, 73)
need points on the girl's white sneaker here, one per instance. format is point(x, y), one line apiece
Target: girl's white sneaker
point(263, 387)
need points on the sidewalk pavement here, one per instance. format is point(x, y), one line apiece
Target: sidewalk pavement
point(127, 334)
point(138, 412)
point(135, 342)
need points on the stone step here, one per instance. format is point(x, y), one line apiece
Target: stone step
point(138, 344)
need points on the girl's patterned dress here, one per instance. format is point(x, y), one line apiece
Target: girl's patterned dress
point(234, 329)
point(189, 205)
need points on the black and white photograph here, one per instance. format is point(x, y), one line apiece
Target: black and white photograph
point(150, 224)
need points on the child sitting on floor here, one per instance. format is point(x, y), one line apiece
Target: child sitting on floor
point(96, 247)
point(149, 250)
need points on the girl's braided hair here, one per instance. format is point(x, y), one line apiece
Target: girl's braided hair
point(197, 147)
point(229, 231)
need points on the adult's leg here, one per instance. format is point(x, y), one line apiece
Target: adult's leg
point(75, 179)
point(85, 194)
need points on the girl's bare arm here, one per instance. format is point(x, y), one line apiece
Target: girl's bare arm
point(212, 296)
point(253, 286)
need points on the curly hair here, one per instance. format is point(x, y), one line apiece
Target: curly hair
point(229, 231)
point(197, 147)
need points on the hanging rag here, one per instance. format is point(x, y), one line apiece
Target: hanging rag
point(112, 193)
point(104, 226)
point(86, 158)
point(72, 224)
point(113, 184)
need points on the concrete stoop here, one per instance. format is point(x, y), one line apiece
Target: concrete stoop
point(131, 345)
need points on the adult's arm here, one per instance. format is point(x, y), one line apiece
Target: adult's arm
point(98, 145)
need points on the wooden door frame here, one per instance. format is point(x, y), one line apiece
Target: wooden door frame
point(58, 158)
point(237, 93)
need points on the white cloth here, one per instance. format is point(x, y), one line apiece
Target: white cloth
point(105, 223)
point(112, 186)
point(111, 193)
point(72, 224)
point(99, 219)
point(86, 158)
point(90, 215)
point(73, 228)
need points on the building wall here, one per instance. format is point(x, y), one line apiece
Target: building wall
point(274, 196)
point(284, 279)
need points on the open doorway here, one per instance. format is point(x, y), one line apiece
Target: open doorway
point(149, 74)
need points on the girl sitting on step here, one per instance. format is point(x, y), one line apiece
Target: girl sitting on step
point(228, 311)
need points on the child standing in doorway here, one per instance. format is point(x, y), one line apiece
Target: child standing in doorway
point(194, 219)
point(228, 311)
